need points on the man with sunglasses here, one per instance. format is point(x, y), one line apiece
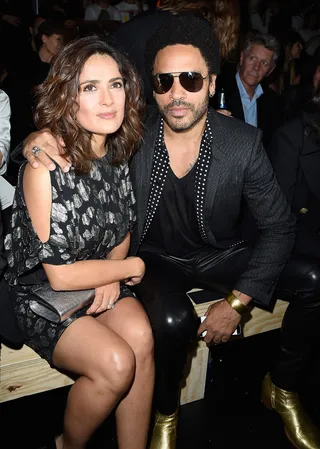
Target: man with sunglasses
point(193, 172)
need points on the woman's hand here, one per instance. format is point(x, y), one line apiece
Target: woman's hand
point(138, 271)
point(12, 20)
point(105, 298)
point(51, 150)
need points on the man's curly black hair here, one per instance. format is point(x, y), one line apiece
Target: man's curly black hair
point(185, 29)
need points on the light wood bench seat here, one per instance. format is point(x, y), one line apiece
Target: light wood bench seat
point(23, 372)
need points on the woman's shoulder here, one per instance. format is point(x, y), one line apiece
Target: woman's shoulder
point(43, 180)
point(39, 174)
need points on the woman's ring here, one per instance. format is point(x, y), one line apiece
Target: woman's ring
point(36, 151)
point(110, 306)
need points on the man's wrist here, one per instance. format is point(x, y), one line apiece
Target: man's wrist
point(240, 307)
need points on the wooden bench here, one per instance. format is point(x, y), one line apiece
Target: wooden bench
point(23, 372)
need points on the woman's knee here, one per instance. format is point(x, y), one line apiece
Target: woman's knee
point(141, 340)
point(116, 370)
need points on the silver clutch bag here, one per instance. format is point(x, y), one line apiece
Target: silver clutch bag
point(57, 306)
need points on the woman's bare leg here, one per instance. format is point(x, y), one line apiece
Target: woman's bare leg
point(130, 322)
point(106, 365)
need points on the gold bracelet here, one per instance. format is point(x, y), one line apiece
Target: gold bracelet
point(237, 305)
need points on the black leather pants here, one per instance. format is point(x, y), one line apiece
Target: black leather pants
point(175, 323)
point(300, 330)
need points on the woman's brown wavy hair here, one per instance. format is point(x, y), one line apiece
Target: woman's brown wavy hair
point(225, 19)
point(57, 104)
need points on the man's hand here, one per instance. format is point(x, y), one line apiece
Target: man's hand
point(220, 323)
point(105, 298)
point(224, 112)
point(50, 148)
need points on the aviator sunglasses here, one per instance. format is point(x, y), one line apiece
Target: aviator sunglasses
point(190, 81)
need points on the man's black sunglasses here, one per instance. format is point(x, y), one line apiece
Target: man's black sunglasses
point(190, 81)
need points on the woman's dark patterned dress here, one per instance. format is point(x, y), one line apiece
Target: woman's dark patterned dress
point(90, 215)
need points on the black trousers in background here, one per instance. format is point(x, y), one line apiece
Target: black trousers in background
point(175, 323)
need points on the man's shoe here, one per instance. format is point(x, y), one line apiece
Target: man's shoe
point(300, 430)
point(164, 433)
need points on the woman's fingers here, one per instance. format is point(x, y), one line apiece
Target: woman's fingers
point(98, 300)
point(103, 302)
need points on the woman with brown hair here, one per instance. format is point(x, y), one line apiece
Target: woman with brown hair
point(73, 231)
point(286, 76)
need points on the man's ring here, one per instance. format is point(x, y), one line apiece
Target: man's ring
point(110, 306)
point(36, 151)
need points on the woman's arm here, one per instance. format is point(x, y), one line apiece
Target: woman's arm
point(120, 251)
point(79, 275)
point(108, 295)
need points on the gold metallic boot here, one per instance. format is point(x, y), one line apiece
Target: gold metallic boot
point(164, 433)
point(301, 432)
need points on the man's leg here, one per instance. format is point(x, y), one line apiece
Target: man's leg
point(300, 337)
point(173, 321)
point(219, 269)
point(299, 283)
point(174, 324)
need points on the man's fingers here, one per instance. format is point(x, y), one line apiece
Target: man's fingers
point(224, 112)
point(47, 158)
point(202, 328)
point(44, 160)
point(51, 153)
point(61, 142)
point(33, 161)
point(209, 337)
point(38, 138)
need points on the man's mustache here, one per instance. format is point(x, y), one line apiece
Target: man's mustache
point(178, 103)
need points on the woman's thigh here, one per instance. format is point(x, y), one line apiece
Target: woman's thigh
point(129, 320)
point(90, 348)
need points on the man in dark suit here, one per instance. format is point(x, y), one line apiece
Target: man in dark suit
point(295, 155)
point(193, 171)
point(245, 96)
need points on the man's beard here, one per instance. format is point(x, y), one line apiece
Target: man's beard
point(196, 115)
